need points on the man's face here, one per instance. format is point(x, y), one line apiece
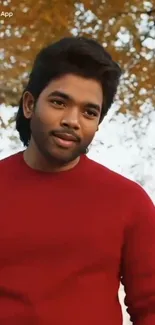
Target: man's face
point(65, 117)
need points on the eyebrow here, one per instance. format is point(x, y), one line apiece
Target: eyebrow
point(70, 98)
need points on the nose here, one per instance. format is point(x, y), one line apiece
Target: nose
point(71, 119)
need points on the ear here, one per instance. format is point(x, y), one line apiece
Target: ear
point(28, 104)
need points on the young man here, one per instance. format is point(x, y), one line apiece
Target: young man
point(71, 229)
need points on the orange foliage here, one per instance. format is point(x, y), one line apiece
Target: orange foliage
point(35, 24)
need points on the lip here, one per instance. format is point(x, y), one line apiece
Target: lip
point(66, 136)
point(61, 142)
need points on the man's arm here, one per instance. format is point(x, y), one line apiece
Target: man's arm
point(138, 260)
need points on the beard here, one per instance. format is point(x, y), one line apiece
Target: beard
point(61, 156)
point(57, 156)
point(52, 152)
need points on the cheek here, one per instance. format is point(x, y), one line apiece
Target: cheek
point(45, 119)
point(38, 128)
point(89, 131)
point(47, 115)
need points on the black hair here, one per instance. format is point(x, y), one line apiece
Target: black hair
point(77, 55)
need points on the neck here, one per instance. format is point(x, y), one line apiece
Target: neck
point(35, 160)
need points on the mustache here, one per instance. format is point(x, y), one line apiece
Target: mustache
point(64, 131)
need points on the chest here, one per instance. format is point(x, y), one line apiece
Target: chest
point(58, 224)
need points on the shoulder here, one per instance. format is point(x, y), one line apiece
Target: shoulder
point(9, 163)
point(116, 183)
point(126, 197)
point(104, 174)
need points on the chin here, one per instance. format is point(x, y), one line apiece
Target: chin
point(63, 156)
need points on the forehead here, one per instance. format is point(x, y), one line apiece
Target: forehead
point(79, 88)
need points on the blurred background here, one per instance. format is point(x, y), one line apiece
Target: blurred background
point(125, 141)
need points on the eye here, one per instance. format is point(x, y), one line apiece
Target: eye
point(91, 113)
point(57, 102)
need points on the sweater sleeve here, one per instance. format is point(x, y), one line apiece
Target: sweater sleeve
point(138, 260)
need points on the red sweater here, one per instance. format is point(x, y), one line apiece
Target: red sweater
point(66, 240)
